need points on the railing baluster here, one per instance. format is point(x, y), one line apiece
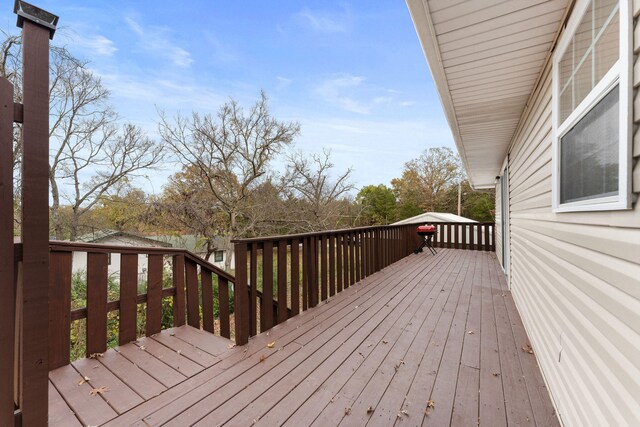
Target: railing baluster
point(323, 267)
point(241, 294)
point(193, 309)
point(282, 281)
point(223, 304)
point(352, 267)
point(306, 271)
point(128, 298)
point(96, 303)
point(253, 292)
point(479, 237)
point(313, 283)
point(266, 309)
point(339, 265)
point(357, 253)
point(295, 277)
point(206, 281)
point(154, 295)
point(332, 265)
point(178, 283)
point(59, 308)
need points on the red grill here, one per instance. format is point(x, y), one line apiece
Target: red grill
point(426, 232)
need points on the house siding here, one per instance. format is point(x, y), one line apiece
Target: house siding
point(575, 278)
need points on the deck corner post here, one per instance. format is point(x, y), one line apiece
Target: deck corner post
point(38, 27)
point(241, 294)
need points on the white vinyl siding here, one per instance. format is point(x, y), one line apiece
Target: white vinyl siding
point(575, 278)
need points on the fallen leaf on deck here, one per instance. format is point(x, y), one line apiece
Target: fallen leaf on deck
point(271, 344)
point(470, 332)
point(142, 348)
point(179, 351)
point(496, 374)
point(99, 390)
point(262, 358)
point(347, 411)
point(385, 342)
point(83, 380)
point(369, 410)
point(431, 404)
point(230, 346)
point(95, 355)
point(527, 348)
point(173, 334)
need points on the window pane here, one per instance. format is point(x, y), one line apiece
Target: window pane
point(583, 36)
point(603, 9)
point(589, 153)
point(566, 105)
point(607, 48)
point(583, 82)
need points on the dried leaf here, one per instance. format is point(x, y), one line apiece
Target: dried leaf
point(179, 351)
point(347, 411)
point(431, 404)
point(263, 358)
point(271, 344)
point(99, 390)
point(84, 380)
point(369, 410)
point(95, 355)
point(172, 334)
point(527, 348)
point(230, 346)
point(470, 332)
point(385, 342)
point(496, 374)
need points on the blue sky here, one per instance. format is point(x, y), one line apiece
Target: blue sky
point(352, 73)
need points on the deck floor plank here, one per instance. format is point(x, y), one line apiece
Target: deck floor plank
point(141, 382)
point(117, 394)
point(60, 414)
point(325, 394)
point(173, 358)
point(427, 327)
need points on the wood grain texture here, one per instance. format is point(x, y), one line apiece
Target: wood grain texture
point(35, 224)
point(178, 284)
point(7, 285)
point(59, 308)
point(207, 300)
point(128, 302)
point(154, 294)
point(97, 275)
point(193, 299)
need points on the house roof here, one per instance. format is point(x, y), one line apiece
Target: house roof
point(100, 236)
point(433, 217)
point(486, 57)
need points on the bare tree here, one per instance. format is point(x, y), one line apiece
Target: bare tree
point(318, 199)
point(231, 153)
point(90, 154)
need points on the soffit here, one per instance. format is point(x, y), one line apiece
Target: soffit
point(485, 57)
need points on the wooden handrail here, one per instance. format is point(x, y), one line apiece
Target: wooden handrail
point(192, 279)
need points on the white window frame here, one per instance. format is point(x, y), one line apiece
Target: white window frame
point(621, 74)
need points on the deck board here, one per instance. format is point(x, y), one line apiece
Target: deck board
point(440, 327)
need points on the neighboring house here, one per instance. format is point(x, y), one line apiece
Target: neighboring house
point(194, 244)
point(117, 238)
point(428, 217)
point(540, 96)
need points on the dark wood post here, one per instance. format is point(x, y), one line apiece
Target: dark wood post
point(37, 27)
point(241, 295)
point(7, 286)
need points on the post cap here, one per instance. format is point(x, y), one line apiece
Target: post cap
point(28, 11)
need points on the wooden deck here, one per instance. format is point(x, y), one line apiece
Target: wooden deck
point(429, 340)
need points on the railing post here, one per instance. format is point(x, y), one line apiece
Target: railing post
point(241, 295)
point(7, 285)
point(36, 32)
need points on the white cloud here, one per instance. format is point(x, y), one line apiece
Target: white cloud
point(283, 82)
point(99, 45)
point(325, 22)
point(352, 93)
point(154, 39)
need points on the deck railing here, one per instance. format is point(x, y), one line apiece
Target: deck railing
point(278, 277)
point(191, 279)
point(296, 272)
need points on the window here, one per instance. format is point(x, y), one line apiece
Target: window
point(591, 105)
point(218, 256)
